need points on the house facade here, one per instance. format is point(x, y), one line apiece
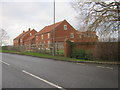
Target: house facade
point(57, 33)
point(21, 39)
point(87, 36)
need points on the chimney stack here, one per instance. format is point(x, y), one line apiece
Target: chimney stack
point(28, 29)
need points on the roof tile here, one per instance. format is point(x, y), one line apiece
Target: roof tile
point(49, 28)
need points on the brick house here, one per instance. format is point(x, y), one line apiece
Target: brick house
point(62, 30)
point(87, 36)
point(30, 40)
point(20, 40)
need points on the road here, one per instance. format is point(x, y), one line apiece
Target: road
point(31, 72)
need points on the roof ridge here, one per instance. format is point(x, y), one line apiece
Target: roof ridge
point(50, 27)
point(25, 34)
point(20, 35)
point(30, 37)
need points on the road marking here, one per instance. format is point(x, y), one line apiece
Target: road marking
point(80, 63)
point(105, 67)
point(52, 84)
point(4, 62)
point(109, 67)
point(100, 66)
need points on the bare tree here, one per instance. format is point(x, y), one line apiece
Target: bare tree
point(3, 37)
point(103, 17)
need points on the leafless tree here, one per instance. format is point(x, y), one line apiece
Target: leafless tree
point(102, 16)
point(3, 37)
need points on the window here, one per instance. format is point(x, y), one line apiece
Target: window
point(42, 36)
point(72, 35)
point(72, 41)
point(30, 34)
point(65, 27)
point(48, 44)
point(80, 36)
point(20, 40)
point(36, 38)
point(48, 35)
point(36, 43)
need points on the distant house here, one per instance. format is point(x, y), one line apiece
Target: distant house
point(21, 39)
point(87, 36)
point(57, 32)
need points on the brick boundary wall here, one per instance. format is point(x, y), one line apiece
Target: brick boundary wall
point(69, 46)
point(100, 50)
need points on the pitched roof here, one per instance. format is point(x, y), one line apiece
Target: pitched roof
point(49, 28)
point(18, 37)
point(30, 38)
point(23, 34)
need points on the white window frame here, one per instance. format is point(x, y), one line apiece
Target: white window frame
point(80, 36)
point(42, 36)
point(48, 44)
point(65, 27)
point(30, 34)
point(20, 40)
point(71, 35)
point(36, 38)
point(48, 35)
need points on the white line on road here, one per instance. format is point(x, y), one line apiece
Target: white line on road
point(4, 62)
point(101, 66)
point(109, 67)
point(52, 84)
point(105, 67)
point(80, 63)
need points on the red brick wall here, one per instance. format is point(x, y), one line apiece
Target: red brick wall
point(77, 45)
point(29, 42)
point(61, 34)
point(16, 42)
point(27, 35)
point(44, 40)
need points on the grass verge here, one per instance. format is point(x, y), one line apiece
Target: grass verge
point(36, 54)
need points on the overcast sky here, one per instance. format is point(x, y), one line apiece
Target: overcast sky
point(19, 15)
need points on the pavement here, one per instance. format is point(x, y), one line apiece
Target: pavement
point(19, 71)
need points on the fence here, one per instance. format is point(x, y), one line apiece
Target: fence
point(42, 48)
point(91, 50)
point(88, 50)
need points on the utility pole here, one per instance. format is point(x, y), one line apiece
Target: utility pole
point(54, 31)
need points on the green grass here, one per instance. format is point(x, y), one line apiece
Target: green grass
point(61, 52)
point(50, 56)
point(8, 51)
point(42, 55)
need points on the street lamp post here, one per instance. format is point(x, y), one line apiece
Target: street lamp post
point(54, 31)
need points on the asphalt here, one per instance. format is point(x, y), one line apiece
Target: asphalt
point(46, 73)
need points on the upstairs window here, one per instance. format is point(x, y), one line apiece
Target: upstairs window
point(72, 35)
point(48, 35)
point(42, 36)
point(80, 36)
point(30, 34)
point(20, 40)
point(36, 37)
point(65, 27)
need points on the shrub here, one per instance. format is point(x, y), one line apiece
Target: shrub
point(81, 54)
